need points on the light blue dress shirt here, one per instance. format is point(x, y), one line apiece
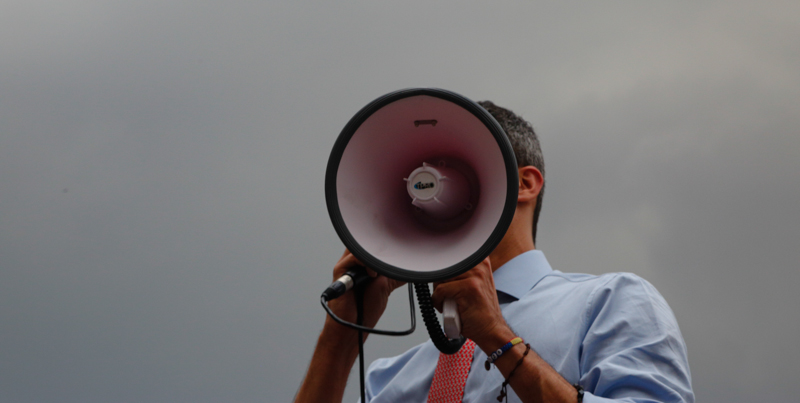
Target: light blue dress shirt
point(614, 334)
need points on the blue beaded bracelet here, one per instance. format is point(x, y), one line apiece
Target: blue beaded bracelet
point(495, 355)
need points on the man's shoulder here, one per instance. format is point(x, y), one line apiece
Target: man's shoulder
point(626, 297)
point(624, 286)
point(591, 284)
point(596, 278)
point(618, 282)
point(589, 295)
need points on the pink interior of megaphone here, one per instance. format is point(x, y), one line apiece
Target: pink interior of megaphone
point(385, 149)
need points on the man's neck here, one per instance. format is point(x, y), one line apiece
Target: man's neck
point(507, 250)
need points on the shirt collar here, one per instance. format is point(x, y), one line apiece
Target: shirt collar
point(520, 274)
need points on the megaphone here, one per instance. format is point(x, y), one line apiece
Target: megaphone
point(421, 186)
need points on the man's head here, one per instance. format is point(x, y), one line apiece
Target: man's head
point(525, 143)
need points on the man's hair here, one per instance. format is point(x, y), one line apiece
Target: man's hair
point(525, 143)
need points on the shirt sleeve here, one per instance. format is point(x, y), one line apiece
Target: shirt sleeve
point(633, 350)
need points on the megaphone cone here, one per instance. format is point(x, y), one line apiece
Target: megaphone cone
point(465, 174)
point(421, 185)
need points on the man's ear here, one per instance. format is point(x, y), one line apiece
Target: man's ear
point(530, 184)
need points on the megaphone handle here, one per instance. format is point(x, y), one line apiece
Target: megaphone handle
point(431, 319)
point(451, 319)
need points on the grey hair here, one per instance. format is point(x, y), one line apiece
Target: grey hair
point(525, 143)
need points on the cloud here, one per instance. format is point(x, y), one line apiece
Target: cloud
point(185, 260)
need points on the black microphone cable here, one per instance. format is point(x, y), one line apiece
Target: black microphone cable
point(357, 280)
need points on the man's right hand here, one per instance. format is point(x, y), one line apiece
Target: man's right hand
point(376, 296)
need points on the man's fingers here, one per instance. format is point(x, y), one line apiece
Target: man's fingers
point(464, 283)
point(443, 291)
point(395, 284)
point(347, 262)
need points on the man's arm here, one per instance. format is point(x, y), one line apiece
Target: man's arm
point(337, 346)
point(534, 380)
point(334, 355)
point(632, 352)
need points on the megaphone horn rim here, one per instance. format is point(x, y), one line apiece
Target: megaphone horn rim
point(403, 274)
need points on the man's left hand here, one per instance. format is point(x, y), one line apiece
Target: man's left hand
point(481, 318)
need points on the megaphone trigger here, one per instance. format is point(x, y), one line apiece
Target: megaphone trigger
point(451, 320)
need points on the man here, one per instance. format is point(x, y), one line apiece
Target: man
point(612, 335)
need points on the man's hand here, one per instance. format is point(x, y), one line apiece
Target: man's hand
point(482, 321)
point(376, 295)
point(481, 318)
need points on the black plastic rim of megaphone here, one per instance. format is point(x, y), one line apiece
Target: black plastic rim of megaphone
point(399, 273)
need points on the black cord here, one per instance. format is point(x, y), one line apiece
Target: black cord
point(343, 322)
point(429, 316)
point(359, 291)
point(359, 294)
point(438, 337)
point(445, 345)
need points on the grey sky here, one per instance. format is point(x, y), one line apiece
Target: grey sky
point(163, 232)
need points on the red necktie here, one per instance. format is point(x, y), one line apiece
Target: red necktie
point(451, 375)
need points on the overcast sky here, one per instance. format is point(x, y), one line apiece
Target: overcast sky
point(163, 231)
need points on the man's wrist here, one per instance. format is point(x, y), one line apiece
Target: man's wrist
point(495, 338)
point(339, 340)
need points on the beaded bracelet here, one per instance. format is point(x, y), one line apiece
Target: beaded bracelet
point(495, 355)
point(504, 387)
